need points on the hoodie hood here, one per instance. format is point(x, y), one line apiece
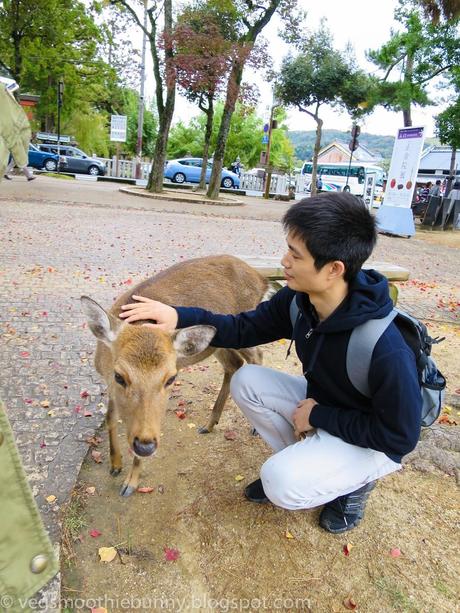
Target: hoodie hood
point(367, 298)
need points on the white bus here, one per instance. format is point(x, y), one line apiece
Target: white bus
point(334, 176)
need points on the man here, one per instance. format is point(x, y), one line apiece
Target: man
point(349, 441)
point(435, 190)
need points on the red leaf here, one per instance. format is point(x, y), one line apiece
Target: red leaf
point(87, 414)
point(24, 354)
point(347, 548)
point(395, 552)
point(95, 533)
point(145, 490)
point(28, 400)
point(230, 435)
point(97, 456)
point(180, 414)
point(349, 603)
point(457, 391)
point(84, 394)
point(171, 555)
point(42, 444)
point(78, 408)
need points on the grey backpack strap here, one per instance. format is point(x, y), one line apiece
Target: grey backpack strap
point(361, 345)
point(293, 311)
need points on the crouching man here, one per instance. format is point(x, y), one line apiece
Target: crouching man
point(348, 440)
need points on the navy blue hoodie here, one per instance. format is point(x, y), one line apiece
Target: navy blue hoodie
point(390, 420)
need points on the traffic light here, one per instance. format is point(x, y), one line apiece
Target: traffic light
point(355, 132)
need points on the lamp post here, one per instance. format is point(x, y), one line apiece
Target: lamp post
point(60, 92)
point(140, 113)
point(268, 175)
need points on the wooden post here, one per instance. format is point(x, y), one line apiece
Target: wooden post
point(117, 157)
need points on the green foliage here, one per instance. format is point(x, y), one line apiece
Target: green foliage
point(91, 132)
point(244, 139)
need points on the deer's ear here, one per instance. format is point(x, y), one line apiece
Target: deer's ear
point(192, 340)
point(102, 324)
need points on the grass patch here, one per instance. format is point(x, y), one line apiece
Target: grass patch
point(73, 522)
point(56, 175)
point(398, 599)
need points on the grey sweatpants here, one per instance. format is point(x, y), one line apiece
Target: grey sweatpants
point(307, 473)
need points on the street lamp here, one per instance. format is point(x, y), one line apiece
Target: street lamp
point(140, 114)
point(272, 125)
point(60, 92)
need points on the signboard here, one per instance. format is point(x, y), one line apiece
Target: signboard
point(369, 189)
point(264, 139)
point(118, 125)
point(395, 215)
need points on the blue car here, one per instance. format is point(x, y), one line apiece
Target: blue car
point(189, 170)
point(43, 160)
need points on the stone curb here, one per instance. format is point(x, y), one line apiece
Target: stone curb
point(173, 196)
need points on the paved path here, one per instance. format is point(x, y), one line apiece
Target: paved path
point(61, 239)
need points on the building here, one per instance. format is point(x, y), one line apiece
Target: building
point(435, 164)
point(28, 103)
point(338, 151)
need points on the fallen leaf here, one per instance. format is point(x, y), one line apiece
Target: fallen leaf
point(347, 548)
point(94, 440)
point(161, 489)
point(349, 603)
point(87, 414)
point(395, 552)
point(45, 404)
point(96, 455)
point(191, 425)
point(239, 478)
point(180, 414)
point(78, 408)
point(95, 533)
point(84, 394)
point(145, 490)
point(99, 610)
point(91, 490)
point(171, 555)
point(447, 409)
point(42, 444)
point(107, 554)
point(230, 435)
point(288, 535)
point(24, 354)
point(457, 391)
point(51, 499)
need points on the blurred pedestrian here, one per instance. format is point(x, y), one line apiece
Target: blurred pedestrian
point(15, 134)
point(435, 190)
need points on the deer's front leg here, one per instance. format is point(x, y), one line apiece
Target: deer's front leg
point(115, 453)
point(132, 481)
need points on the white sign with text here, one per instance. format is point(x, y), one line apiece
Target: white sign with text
point(118, 126)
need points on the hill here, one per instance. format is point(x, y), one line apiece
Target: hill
point(303, 142)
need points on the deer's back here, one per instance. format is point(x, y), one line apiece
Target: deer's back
point(222, 284)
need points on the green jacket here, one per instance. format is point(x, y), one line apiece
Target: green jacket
point(27, 559)
point(14, 131)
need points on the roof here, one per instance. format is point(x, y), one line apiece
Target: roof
point(438, 158)
point(361, 154)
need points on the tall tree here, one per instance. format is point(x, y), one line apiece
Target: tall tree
point(321, 75)
point(248, 19)
point(415, 57)
point(437, 9)
point(448, 126)
point(161, 48)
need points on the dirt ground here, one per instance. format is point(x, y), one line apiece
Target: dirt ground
point(231, 555)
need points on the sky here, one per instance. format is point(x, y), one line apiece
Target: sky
point(364, 23)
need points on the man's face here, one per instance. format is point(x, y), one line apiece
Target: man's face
point(300, 272)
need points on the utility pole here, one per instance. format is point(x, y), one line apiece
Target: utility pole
point(140, 114)
point(268, 175)
point(60, 92)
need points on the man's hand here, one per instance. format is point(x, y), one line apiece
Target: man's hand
point(165, 316)
point(301, 416)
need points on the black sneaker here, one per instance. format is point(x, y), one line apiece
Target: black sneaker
point(255, 492)
point(345, 512)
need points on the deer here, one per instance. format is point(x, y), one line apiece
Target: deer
point(139, 363)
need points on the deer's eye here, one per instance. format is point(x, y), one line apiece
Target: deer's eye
point(170, 381)
point(119, 379)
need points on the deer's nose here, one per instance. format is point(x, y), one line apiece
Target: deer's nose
point(144, 448)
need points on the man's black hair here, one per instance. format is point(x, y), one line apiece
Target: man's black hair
point(334, 226)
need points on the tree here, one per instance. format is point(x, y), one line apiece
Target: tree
point(247, 20)
point(321, 75)
point(448, 126)
point(161, 48)
point(437, 9)
point(417, 55)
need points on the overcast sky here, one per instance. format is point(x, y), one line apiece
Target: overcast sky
point(364, 23)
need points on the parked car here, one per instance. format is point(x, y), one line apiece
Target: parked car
point(77, 160)
point(45, 160)
point(189, 169)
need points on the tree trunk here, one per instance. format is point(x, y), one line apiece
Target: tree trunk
point(233, 89)
point(451, 177)
point(207, 140)
point(319, 127)
point(165, 110)
point(408, 74)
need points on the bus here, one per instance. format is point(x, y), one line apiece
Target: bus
point(334, 176)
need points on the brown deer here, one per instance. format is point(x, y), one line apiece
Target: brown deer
point(139, 363)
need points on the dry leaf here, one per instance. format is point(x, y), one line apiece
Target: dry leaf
point(288, 535)
point(45, 404)
point(51, 499)
point(99, 610)
point(180, 414)
point(96, 455)
point(91, 490)
point(171, 555)
point(145, 490)
point(239, 478)
point(190, 425)
point(395, 553)
point(95, 533)
point(347, 548)
point(230, 435)
point(107, 554)
point(349, 603)
point(84, 394)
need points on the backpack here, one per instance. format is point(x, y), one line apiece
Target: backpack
point(361, 345)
